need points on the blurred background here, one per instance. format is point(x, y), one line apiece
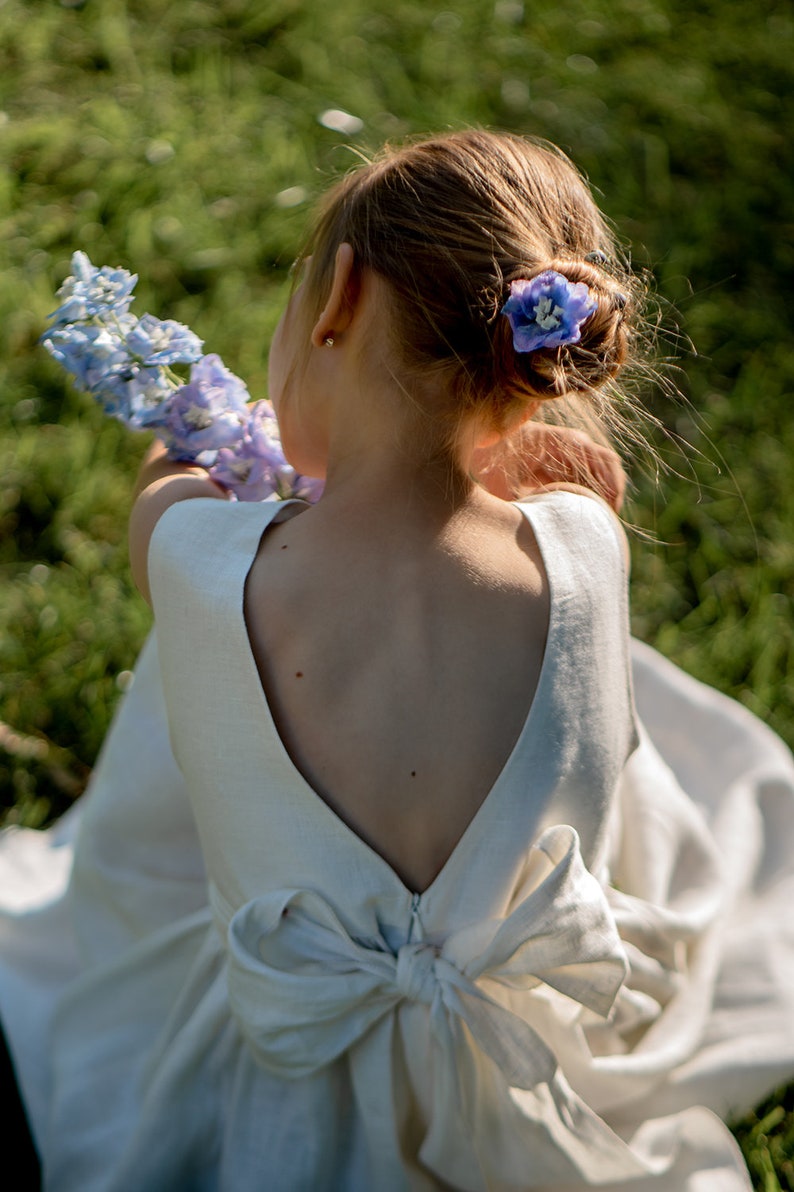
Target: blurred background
point(187, 141)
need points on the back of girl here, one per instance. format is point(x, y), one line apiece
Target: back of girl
point(463, 928)
point(399, 626)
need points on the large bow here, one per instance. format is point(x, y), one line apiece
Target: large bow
point(304, 991)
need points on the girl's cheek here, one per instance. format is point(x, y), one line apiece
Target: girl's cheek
point(275, 366)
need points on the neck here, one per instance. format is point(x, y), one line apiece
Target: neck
point(384, 451)
point(385, 456)
point(385, 485)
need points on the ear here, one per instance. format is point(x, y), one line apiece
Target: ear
point(338, 310)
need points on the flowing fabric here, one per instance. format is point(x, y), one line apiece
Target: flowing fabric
point(209, 982)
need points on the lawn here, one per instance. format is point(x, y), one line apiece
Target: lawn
point(186, 142)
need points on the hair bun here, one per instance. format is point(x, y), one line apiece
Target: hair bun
point(448, 224)
point(596, 346)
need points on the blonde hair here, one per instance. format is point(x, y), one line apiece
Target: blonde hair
point(448, 223)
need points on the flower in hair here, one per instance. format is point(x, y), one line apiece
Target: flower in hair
point(548, 311)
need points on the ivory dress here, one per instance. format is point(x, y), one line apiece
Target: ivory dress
point(605, 959)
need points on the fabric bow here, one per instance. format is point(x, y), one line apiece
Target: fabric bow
point(304, 991)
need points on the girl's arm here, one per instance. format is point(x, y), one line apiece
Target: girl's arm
point(160, 484)
point(542, 458)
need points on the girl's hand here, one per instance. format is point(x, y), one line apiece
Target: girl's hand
point(541, 457)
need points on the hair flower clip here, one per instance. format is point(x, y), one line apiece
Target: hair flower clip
point(548, 311)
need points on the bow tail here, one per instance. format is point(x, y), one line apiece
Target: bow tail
point(448, 1148)
point(499, 1100)
point(375, 1090)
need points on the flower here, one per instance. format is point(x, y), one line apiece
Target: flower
point(154, 341)
point(548, 311)
point(90, 292)
point(92, 354)
point(125, 364)
point(147, 394)
point(307, 488)
point(208, 413)
point(255, 467)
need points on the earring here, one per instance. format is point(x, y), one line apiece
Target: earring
point(328, 342)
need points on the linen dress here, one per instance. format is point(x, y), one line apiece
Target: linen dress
point(208, 981)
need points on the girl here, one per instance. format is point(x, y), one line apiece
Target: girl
point(453, 922)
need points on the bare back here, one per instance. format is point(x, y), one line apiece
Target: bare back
point(400, 674)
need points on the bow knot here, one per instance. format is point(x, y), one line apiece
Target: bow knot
point(416, 972)
point(303, 990)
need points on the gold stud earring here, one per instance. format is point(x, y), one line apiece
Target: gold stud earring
point(328, 342)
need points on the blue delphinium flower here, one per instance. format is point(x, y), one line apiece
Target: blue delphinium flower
point(255, 467)
point(89, 291)
point(144, 394)
point(154, 341)
point(125, 363)
point(548, 311)
point(92, 353)
point(208, 413)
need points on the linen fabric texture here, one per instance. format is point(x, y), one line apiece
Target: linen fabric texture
point(209, 982)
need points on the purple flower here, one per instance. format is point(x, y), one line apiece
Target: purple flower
point(307, 488)
point(255, 467)
point(208, 413)
point(154, 341)
point(91, 292)
point(548, 311)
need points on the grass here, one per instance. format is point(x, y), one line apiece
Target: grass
point(182, 141)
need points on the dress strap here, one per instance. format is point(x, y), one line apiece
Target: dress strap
point(199, 543)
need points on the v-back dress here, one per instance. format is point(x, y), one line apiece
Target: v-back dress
point(557, 1010)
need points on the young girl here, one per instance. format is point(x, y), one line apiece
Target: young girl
point(453, 921)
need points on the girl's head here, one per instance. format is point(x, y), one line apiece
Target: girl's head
point(449, 223)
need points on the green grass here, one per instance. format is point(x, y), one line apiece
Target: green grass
point(159, 136)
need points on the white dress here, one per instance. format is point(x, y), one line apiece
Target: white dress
point(605, 959)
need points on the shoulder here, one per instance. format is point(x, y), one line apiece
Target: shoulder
point(577, 517)
point(185, 525)
point(202, 543)
point(585, 553)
